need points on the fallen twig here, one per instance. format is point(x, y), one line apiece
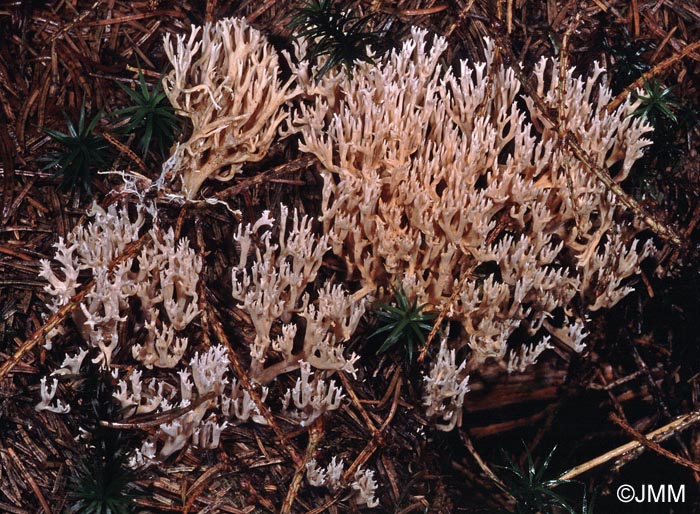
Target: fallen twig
point(660, 434)
point(28, 477)
point(154, 420)
point(484, 467)
point(315, 436)
point(366, 452)
point(261, 178)
point(647, 443)
point(657, 69)
point(215, 323)
point(356, 401)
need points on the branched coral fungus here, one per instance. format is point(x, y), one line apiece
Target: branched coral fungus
point(225, 80)
point(312, 397)
point(448, 182)
point(163, 279)
point(436, 178)
point(160, 286)
point(273, 290)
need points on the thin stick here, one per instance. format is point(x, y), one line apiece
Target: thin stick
point(260, 11)
point(28, 477)
point(152, 420)
point(422, 12)
point(74, 22)
point(659, 434)
point(666, 63)
point(392, 385)
point(356, 401)
point(657, 394)
point(377, 437)
point(261, 178)
point(125, 150)
point(199, 485)
point(460, 18)
point(663, 43)
point(647, 443)
point(245, 382)
point(484, 467)
point(134, 17)
point(365, 454)
point(315, 436)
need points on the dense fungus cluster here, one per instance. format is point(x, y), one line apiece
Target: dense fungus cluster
point(434, 178)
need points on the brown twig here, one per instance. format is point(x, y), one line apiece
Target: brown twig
point(28, 477)
point(356, 401)
point(253, 16)
point(377, 437)
point(658, 395)
point(648, 443)
point(134, 17)
point(482, 464)
point(506, 426)
point(660, 434)
point(8, 176)
point(154, 420)
point(180, 220)
point(390, 390)
point(365, 454)
point(316, 433)
point(200, 485)
point(69, 26)
point(657, 69)
point(460, 19)
point(123, 149)
point(260, 178)
point(215, 323)
point(390, 472)
point(668, 255)
point(18, 199)
point(423, 12)
point(663, 44)
point(201, 286)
